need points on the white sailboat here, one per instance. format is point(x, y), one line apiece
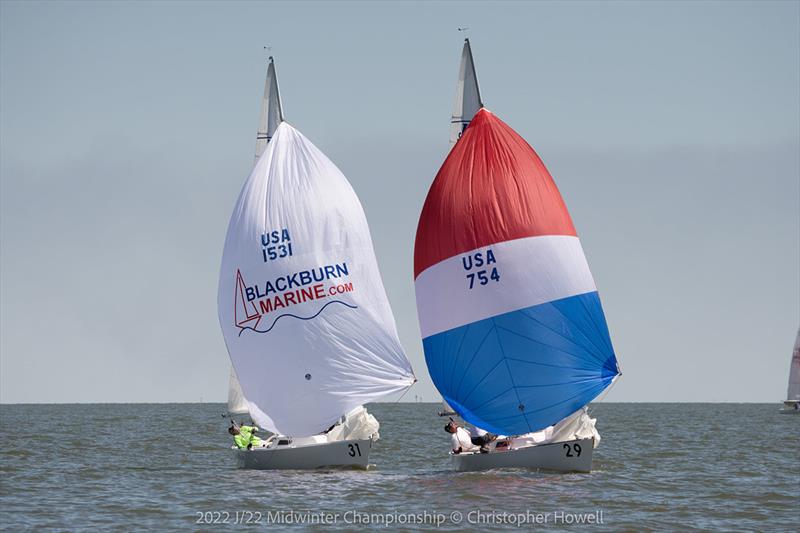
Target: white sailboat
point(514, 334)
point(270, 116)
point(302, 307)
point(791, 405)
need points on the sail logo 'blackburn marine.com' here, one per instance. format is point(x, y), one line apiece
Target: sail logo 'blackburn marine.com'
point(255, 302)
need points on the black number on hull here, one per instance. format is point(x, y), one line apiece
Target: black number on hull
point(354, 450)
point(575, 447)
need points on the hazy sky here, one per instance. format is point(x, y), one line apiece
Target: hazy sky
point(127, 130)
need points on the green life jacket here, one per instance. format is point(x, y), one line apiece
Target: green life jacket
point(246, 437)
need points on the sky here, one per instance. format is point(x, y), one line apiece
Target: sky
point(127, 129)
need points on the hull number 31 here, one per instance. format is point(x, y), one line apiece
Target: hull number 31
point(353, 450)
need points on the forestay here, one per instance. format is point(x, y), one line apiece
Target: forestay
point(301, 303)
point(514, 334)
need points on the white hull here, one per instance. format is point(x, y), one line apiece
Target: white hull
point(348, 453)
point(790, 408)
point(558, 456)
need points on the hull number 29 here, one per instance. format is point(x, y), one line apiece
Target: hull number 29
point(573, 450)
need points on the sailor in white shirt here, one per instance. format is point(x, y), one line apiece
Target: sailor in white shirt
point(467, 441)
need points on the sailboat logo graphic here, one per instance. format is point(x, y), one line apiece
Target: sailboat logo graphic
point(245, 313)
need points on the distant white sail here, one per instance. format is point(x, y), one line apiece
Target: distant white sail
point(301, 303)
point(468, 95)
point(237, 405)
point(793, 392)
point(271, 110)
point(270, 117)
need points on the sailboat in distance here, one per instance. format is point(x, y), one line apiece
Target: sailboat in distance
point(514, 335)
point(791, 405)
point(303, 310)
point(270, 116)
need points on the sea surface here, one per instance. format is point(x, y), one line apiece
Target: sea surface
point(659, 467)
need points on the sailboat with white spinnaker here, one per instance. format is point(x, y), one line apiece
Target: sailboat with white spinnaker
point(303, 310)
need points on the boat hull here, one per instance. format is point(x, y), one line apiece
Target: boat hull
point(790, 408)
point(556, 456)
point(345, 453)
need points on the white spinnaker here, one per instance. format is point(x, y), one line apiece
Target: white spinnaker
point(237, 405)
point(304, 364)
point(270, 117)
point(271, 111)
point(468, 95)
point(793, 391)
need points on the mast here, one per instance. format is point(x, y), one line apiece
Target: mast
point(271, 110)
point(467, 103)
point(468, 95)
point(269, 118)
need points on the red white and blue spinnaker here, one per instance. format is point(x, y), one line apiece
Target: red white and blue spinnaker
point(514, 334)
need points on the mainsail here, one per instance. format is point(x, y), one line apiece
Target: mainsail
point(793, 391)
point(237, 405)
point(271, 111)
point(468, 95)
point(514, 334)
point(270, 117)
point(301, 303)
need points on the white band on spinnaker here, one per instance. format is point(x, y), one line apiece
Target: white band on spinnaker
point(529, 271)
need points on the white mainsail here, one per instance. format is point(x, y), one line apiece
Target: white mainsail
point(270, 117)
point(237, 405)
point(271, 110)
point(301, 303)
point(468, 95)
point(793, 391)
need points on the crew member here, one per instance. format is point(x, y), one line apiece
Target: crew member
point(244, 436)
point(461, 441)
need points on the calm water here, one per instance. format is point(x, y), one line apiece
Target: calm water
point(659, 466)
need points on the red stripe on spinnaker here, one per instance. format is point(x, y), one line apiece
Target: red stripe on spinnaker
point(491, 188)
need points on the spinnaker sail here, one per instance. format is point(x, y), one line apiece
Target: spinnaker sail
point(514, 335)
point(301, 303)
point(468, 95)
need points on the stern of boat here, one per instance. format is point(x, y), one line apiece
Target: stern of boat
point(567, 456)
point(288, 454)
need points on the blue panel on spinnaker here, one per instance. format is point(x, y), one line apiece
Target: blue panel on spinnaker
point(525, 370)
